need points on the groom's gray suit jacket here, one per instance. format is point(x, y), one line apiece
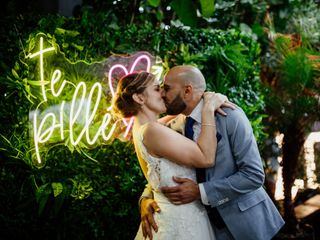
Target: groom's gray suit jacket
point(235, 183)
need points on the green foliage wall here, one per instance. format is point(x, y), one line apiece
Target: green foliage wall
point(73, 197)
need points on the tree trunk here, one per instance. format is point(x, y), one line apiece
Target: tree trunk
point(292, 143)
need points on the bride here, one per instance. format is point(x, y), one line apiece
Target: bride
point(164, 153)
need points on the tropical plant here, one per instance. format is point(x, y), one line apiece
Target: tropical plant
point(291, 73)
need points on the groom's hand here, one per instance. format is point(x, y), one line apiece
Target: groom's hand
point(187, 191)
point(147, 207)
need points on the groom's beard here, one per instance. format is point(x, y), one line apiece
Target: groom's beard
point(177, 106)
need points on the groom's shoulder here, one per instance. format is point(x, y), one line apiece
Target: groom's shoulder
point(177, 123)
point(180, 118)
point(233, 114)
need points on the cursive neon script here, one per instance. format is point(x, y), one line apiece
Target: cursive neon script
point(84, 105)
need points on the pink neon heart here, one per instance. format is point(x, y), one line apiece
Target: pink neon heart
point(132, 68)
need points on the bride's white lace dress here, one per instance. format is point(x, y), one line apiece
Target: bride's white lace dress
point(175, 222)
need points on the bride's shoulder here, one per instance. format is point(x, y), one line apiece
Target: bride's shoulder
point(152, 127)
point(148, 128)
point(153, 130)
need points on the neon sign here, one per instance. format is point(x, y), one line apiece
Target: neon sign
point(85, 118)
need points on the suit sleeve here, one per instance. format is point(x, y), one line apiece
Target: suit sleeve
point(246, 172)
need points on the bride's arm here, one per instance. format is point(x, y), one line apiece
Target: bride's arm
point(207, 140)
point(164, 142)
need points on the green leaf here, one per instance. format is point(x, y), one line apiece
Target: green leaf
point(186, 11)
point(207, 7)
point(42, 195)
point(65, 45)
point(80, 48)
point(14, 73)
point(37, 83)
point(154, 3)
point(57, 188)
point(61, 31)
point(41, 191)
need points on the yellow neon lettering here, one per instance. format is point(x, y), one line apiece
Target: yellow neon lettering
point(61, 119)
point(93, 113)
point(103, 127)
point(73, 117)
point(40, 53)
point(54, 79)
point(39, 136)
point(83, 107)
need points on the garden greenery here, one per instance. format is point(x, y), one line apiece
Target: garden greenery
point(71, 196)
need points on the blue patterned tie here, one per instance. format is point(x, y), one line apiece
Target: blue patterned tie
point(201, 176)
point(213, 213)
point(189, 128)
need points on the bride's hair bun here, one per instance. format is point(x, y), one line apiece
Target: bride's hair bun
point(123, 104)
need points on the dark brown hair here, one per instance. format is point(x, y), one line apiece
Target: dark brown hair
point(123, 104)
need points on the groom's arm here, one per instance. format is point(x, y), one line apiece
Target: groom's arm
point(188, 190)
point(249, 175)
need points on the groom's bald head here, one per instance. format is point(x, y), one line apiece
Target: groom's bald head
point(184, 86)
point(187, 74)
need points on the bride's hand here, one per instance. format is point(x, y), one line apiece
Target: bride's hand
point(218, 100)
point(209, 103)
point(147, 208)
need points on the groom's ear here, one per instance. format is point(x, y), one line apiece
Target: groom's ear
point(138, 98)
point(188, 89)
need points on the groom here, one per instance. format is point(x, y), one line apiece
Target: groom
point(232, 190)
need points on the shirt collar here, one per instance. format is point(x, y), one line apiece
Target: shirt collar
point(196, 113)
